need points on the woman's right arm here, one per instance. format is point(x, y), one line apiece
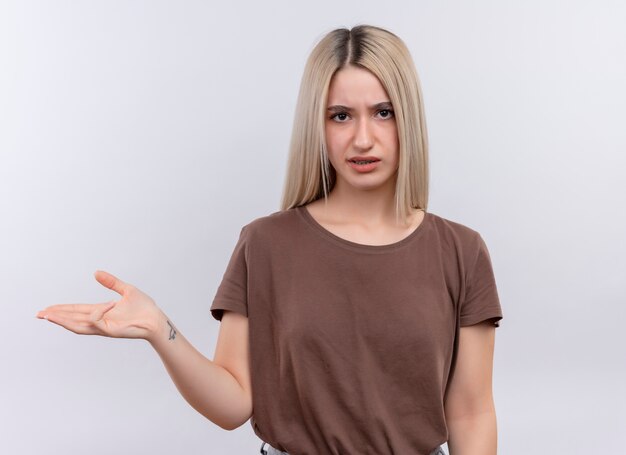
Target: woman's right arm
point(219, 389)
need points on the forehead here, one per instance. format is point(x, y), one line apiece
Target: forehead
point(353, 85)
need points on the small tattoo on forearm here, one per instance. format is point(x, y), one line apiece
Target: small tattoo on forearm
point(173, 331)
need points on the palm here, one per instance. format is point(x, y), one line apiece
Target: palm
point(129, 317)
point(125, 318)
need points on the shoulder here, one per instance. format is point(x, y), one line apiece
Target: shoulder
point(460, 245)
point(456, 241)
point(275, 224)
point(450, 229)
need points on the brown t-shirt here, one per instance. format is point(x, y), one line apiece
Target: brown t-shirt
point(352, 346)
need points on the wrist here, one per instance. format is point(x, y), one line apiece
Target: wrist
point(162, 330)
point(158, 328)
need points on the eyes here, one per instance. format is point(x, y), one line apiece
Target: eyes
point(341, 117)
point(385, 114)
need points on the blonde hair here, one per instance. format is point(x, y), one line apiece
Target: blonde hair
point(309, 173)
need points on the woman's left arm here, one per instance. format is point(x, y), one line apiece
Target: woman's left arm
point(469, 408)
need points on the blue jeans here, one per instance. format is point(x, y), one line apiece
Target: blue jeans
point(267, 449)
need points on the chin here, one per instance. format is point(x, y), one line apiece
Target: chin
point(369, 186)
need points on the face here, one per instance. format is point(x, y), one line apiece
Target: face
point(361, 132)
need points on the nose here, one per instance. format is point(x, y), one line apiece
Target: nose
point(363, 139)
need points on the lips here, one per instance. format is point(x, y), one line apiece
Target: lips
point(356, 159)
point(363, 164)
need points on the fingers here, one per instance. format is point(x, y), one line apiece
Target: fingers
point(106, 279)
point(82, 308)
point(65, 315)
point(110, 281)
point(78, 311)
point(71, 323)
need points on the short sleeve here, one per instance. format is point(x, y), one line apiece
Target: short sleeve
point(232, 293)
point(481, 300)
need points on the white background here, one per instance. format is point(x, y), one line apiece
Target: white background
point(139, 136)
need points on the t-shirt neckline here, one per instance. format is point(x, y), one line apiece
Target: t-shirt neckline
point(318, 228)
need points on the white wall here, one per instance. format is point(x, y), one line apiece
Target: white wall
point(139, 136)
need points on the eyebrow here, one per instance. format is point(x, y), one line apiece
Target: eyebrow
point(384, 106)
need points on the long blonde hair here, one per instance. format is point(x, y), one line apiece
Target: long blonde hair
point(309, 173)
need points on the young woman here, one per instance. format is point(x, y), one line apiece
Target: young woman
point(353, 321)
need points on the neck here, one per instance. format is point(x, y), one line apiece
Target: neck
point(351, 205)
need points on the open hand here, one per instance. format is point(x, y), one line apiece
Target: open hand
point(135, 315)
